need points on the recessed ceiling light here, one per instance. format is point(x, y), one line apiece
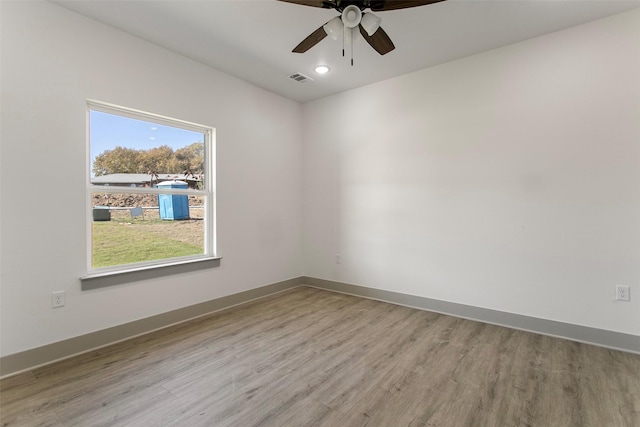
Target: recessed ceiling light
point(322, 69)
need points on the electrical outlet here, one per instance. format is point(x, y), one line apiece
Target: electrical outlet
point(338, 259)
point(622, 293)
point(57, 299)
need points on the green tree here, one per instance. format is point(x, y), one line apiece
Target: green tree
point(160, 160)
point(191, 157)
point(118, 160)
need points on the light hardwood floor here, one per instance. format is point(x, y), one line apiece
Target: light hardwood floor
point(312, 357)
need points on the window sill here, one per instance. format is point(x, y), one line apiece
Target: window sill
point(112, 278)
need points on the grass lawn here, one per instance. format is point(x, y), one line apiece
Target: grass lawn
point(138, 240)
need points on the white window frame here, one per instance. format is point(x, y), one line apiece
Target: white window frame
point(208, 192)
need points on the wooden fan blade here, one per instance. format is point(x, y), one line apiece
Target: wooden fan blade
point(313, 3)
point(312, 40)
point(380, 41)
point(381, 5)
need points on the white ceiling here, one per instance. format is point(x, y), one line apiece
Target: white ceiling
point(252, 39)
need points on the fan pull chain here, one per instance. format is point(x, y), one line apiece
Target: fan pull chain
point(343, 34)
point(353, 34)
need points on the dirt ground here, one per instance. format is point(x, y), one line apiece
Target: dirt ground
point(134, 200)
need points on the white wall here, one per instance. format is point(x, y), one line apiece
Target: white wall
point(53, 61)
point(508, 180)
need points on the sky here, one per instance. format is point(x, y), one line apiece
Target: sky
point(107, 131)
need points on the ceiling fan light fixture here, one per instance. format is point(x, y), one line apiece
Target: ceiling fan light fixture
point(370, 23)
point(333, 28)
point(351, 16)
point(322, 69)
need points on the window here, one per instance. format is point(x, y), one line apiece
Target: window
point(149, 192)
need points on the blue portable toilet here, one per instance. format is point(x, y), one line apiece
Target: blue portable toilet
point(173, 206)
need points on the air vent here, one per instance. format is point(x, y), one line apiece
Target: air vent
point(299, 77)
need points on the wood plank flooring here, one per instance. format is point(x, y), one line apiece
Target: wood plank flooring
point(308, 357)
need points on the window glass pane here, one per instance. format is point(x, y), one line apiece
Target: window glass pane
point(146, 152)
point(132, 228)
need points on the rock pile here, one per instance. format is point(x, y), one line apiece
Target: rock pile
point(134, 200)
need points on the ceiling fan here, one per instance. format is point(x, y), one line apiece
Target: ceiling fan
point(353, 17)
